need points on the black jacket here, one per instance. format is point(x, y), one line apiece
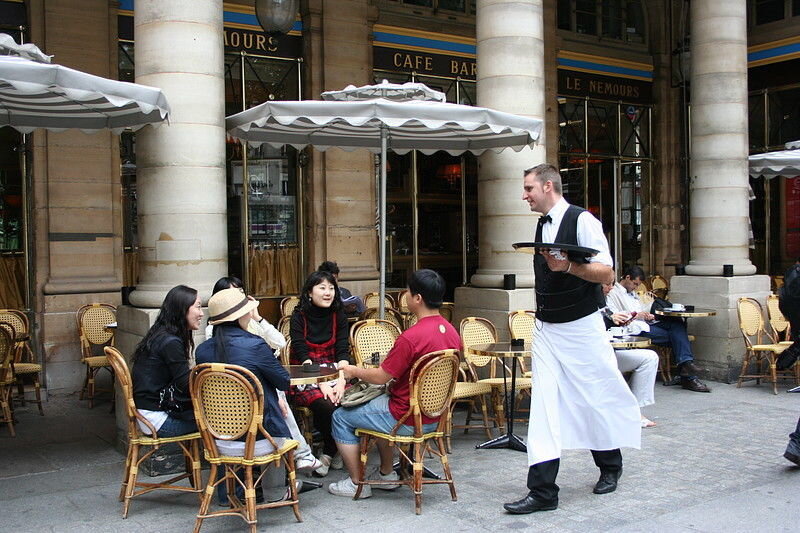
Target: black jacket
point(162, 366)
point(251, 352)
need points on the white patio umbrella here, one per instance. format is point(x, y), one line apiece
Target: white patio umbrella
point(358, 117)
point(780, 163)
point(35, 93)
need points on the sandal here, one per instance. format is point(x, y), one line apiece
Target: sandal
point(647, 423)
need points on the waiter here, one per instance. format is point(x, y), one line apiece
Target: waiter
point(578, 399)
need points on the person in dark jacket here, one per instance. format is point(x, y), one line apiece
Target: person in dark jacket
point(320, 334)
point(790, 307)
point(161, 365)
point(230, 311)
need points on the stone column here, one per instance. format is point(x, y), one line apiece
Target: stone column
point(719, 207)
point(511, 67)
point(181, 165)
point(718, 192)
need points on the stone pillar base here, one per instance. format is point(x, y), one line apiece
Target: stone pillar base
point(492, 304)
point(132, 325)
point(719, 346)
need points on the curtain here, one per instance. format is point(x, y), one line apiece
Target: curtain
point(273, 271)
point(12, 282)
point(130, 274)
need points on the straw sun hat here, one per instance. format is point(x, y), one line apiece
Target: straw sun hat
point(229, 305)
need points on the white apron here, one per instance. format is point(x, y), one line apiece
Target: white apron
point(579, 399)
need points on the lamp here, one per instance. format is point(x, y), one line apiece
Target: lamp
point(276, 16)
point(451, 173)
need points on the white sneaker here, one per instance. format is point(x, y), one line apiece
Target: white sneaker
point(337, 463)
point(322, 471)
point(346, 487)
point(307, 463)
point(376, 475)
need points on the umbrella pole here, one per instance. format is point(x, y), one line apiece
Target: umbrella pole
point(382, 230)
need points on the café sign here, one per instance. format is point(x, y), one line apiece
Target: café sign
point(574, 83)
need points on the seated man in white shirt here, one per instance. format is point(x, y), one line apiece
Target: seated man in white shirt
point(641, 362)
point(623, 299)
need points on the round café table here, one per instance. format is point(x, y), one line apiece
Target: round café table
point(695, 313)
point(627, 342)
point(505, 350)
point(298, 376)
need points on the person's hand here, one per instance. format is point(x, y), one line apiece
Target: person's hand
point(254, 313)
point(338, 391)
point(284, 407)
point(620, 318)
point(647, 317)
point(346, 369)
point(553, 263)
point(327, 392)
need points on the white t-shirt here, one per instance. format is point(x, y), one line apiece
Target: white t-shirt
point(263, 329)
point(590, 232)
point(157, 418)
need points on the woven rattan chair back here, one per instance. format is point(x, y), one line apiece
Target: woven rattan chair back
point(284, 326)
point(227, 400)
point(402, 301)
point(434, 379)
point(373, 299)
point(780, 325)
point(123, 378)
point(7, 335)
point(410, 320)
point(475, 330)
point(447, 310)
point(521, 324)
point(92, 321)
point(16, 318)
point(371, 337)
point(659, 286)
point(751, 322)
point(392, 315)
point(288, 304)
point(642, 289)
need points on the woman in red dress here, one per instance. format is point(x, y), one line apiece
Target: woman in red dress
point(320, 334)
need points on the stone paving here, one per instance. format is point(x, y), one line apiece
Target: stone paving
point(713, 463)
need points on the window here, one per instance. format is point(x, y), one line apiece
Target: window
point(769, 11)
point(621, 20)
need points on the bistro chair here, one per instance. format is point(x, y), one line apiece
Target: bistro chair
point(642, 289)
point(24, 363)
point(410, 320)
point(761, 350)
point(474, 331)
point(521, 324)
point(371, 340)
point(431, 380)
point(137, 439)
point(470, 393)
point(7, 351)
point(447, 310)
point(228, 404)
point(402, 301)
point(284, 325)
point(780, 325)
point(288, 304)
point(659, 286)
point(373, 299)
point(392, 315)
point(92, 321)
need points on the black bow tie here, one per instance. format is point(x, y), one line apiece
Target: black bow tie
point(544, 220)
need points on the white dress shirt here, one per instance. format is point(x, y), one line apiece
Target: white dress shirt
point(590, 232)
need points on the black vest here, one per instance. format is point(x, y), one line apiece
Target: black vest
point(562, 297)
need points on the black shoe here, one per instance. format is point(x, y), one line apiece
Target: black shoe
point(689, 369)
point(529, 504)
point(607, 482)
point(792, 457)
point(695, 385)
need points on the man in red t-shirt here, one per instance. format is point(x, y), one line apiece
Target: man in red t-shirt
point(430, 334)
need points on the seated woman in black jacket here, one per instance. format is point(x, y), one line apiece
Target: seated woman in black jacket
point(161, 365)
point(230, 312)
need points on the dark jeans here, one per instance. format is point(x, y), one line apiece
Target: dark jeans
point(672, 333)
point(323, 419)
point(172, 427)
point(794, 441)
point(542, 476)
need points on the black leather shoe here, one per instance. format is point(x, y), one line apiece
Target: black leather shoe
point(690, 369)
point(607, 482)
point(792, 457)
point(528, 505)
point(694, 385)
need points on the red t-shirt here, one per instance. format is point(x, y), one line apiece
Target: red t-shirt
point(431, 334)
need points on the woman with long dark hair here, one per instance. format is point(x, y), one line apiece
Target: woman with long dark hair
point(161, 365)
point(319, 334)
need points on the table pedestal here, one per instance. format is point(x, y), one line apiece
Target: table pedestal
point(509, 440)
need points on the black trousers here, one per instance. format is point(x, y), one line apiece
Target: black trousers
point(542, 476)
point(322, 410)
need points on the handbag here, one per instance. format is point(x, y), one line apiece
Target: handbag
point(361, 393)
point(169, 400)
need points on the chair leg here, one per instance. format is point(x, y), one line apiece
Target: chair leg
point(745, 364)
point(90, 387)
point(5, 403)
point(773, 373)
point(133, 470)
point(362, 465)
point(469, 415)
point(197, 476)
point(125, 473)
point(485, 416)
point(37, 387)
point(250, 498)
point(289, 461)
point(85, 384)
point(21, 390)
point(499, 410)
point(205, 500)
point(419, 451)
point(446, 469)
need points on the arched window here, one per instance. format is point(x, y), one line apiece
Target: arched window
point(621, 20)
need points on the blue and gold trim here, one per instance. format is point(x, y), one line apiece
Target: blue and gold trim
point(421, 41)
point(774, 52)
point(606, 66)
point(234, 16)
